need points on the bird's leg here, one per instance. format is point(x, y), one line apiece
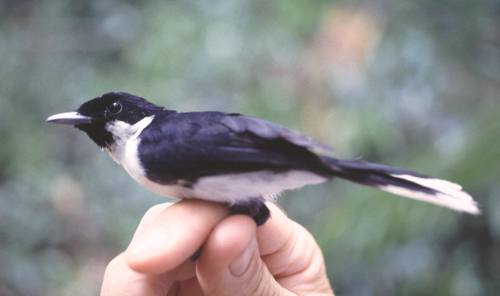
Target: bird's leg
point(257, 210)
point(196, 255)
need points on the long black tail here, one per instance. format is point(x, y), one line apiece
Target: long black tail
point(405, 183)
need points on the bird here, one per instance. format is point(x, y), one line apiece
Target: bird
point(231, 158)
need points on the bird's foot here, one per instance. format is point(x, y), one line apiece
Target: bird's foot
point(258, 211)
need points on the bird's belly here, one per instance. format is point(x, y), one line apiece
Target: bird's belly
point(234, 188)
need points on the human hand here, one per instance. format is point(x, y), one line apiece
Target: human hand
point(279, 258)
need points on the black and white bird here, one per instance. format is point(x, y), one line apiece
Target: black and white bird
point(234, 159)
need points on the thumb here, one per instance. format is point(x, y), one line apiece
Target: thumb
point(230, 263)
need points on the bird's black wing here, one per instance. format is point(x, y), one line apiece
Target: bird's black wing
point(264, 129)
point(191, 145)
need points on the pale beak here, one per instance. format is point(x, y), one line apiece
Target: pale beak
point(70, 118)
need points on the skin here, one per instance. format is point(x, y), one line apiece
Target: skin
point(278, 258)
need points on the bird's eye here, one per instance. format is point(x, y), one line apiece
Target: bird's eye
point(115, 107)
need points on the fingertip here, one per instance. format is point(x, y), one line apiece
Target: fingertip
point(227, 240)
point(230, 257)
point(173, 235)
point(151, 247)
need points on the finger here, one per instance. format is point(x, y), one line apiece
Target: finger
point(150, 215)
point(292, 255)
point(168, 236)
point(230, 263)
point(120, 280)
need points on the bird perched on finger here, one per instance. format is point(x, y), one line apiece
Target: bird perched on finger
point(233, 158)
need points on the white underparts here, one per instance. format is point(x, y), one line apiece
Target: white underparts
point(237, 188)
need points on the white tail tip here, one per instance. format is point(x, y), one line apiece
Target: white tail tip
point(446, 194)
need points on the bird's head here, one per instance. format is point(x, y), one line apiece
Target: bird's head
point(98, 116)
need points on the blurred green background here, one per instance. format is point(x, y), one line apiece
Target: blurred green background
point(414, 84)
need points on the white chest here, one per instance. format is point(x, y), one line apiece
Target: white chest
point(126, 140)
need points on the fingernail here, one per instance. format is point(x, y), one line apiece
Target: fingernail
point(152, 240)
point(241, 262)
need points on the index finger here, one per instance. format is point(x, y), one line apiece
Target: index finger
point(164, 240)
